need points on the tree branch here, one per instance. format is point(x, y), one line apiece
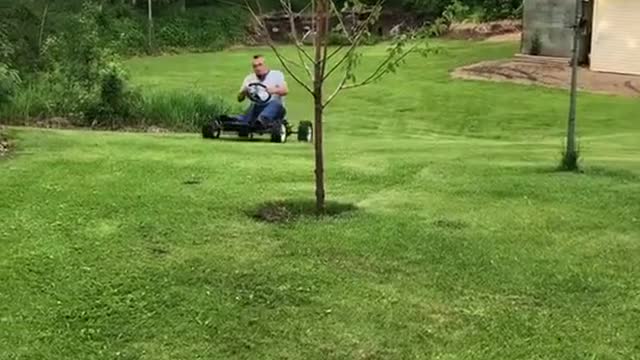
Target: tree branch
point(283, 60)
point(341, 20)
point(286, 4)
point(325, 44)
point(336, 91)
point(380, 70)
point(355, 40)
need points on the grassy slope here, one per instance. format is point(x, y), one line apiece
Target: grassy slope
point(466, 246)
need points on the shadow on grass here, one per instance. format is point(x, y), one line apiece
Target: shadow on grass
point(288, 211)
point(596, 171)
point(244, 140)
point(618, 174)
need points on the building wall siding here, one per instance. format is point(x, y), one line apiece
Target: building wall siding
point(616, 36)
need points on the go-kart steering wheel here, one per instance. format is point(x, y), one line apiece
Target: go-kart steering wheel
point(257, 93)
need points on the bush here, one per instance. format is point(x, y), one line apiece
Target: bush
point(456, 12)
point(203, 31)
point(337, 38)
point(49, 95)
point(180, 110)
point(480, 10)
point(9, 80)
point(536, 44)
point(125, 36)
point(116, 104)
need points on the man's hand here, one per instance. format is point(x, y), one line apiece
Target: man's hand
point(243, 94)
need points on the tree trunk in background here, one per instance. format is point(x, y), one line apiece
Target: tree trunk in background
point(183, 6)
point(570, 160)
point(150, 25)
point(321, 29)
point(43, 22)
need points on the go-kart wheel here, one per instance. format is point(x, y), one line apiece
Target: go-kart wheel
point(279, 133)
point(211, 130)
point(244, 133)
point(305, 131)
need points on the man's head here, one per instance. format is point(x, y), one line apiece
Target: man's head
point(259, 65)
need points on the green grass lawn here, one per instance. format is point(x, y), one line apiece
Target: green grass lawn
point(466, 243)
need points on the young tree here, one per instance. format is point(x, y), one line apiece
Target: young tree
point(570, 156)
point(340, 61)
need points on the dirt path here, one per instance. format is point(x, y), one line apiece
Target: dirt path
point(550, 72)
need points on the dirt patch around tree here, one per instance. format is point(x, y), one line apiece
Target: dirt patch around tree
point(288, 211)
point(551, 72)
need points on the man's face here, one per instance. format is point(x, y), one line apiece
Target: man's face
point(259, 66)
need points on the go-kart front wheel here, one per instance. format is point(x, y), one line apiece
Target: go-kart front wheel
point(279, 133)
point(211, 130)
point(305, 131)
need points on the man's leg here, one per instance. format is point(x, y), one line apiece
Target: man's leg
point(272, 111)
point(249, 115)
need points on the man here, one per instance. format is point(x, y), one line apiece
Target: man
point(276, 86)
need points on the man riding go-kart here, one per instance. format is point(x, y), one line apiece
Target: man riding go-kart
point(266, 114)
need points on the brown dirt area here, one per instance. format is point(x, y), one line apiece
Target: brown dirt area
point(551, 72)
point(504, 30)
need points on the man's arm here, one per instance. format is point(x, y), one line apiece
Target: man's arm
point(280, 88)
point(242, 94)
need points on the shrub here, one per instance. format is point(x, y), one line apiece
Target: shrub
point(456, 12)
point(116, 104)
point(536, 44)
point(180, 110)
point(125, 36)
point(79, 54)
point(206, 30)
point(338, 38)
point(49, 95)
point(9, 80)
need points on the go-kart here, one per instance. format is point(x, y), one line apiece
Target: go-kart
point(279, 129)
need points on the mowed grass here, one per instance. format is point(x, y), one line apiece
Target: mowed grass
point(466, 244)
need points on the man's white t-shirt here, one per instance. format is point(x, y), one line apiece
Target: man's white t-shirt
point(274, 78)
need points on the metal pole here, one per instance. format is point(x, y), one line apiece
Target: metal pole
point(571, 152)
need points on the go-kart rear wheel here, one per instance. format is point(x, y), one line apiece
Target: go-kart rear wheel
point(244, 133)
point(279, 133)
point(305, 131)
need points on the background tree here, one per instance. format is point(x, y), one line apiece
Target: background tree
point(340, 61)
point(150, 24)
point(570, 156)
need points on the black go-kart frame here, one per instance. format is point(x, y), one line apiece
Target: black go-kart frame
point(279, 129)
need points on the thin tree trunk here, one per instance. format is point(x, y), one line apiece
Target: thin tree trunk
point(150, 25)
point(571, 153)
point(45, 13)
point(321, 13)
